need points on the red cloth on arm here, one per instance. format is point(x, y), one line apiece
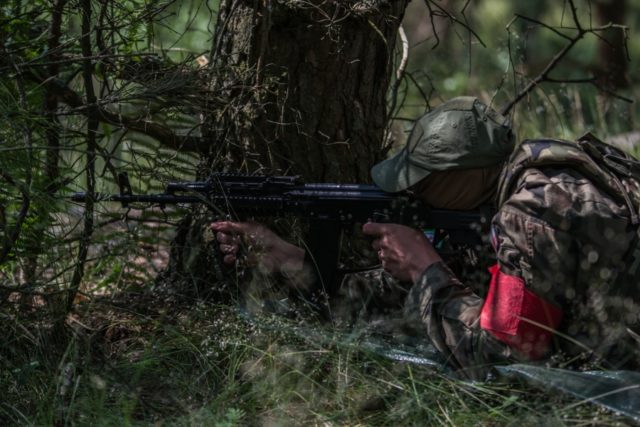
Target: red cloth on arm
point(517, 316)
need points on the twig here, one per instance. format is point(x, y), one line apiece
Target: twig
point(265, 27)
point(537, 22)
point(92, 128)
point(574, 13)
point(10, 241)
point(544, 76)
point(401, 69)
point(161, 133)
point(433, 24)
point(52, 132)
point(442, 12)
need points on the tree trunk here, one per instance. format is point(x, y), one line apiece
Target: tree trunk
point(613, 67)
point(306, 84)
point(303, 86)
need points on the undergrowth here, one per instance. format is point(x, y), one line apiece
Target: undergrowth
point(136, 360)
point(125, 356)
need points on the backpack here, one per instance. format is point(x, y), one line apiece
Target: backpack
point(610, 169)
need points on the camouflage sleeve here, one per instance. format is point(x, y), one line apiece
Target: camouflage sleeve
point(450, 313)
point(526, 247)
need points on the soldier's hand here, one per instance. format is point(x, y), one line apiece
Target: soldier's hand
point(403, 251)
point(265, 248)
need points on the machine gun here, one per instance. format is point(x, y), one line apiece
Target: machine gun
point(330, 208)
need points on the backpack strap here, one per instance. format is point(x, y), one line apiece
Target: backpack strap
point(603, 164)
point(609, 168)
point(620, 164)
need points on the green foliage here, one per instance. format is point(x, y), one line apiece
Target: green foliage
point(504, 54)
point(112, 362)
point(147, 364)
point(43, 143)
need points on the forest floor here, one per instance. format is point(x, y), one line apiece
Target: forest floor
point(133, 360)
point(128, 356)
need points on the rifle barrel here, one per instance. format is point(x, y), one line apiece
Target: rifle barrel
point(161, 199)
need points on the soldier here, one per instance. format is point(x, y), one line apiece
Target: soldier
point(565, 237)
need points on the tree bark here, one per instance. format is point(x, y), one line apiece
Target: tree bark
point(613, 67)
point(304, 88)
point(306, 85)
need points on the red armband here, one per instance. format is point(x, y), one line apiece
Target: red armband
point(518, 317)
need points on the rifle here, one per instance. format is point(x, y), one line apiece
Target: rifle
point(329, 207)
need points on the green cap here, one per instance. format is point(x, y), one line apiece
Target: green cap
point(462, 133)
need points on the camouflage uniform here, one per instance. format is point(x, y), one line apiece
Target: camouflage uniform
point(565, 229)
point(565, 239)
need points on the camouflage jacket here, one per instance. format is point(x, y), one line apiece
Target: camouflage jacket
point(563, 234)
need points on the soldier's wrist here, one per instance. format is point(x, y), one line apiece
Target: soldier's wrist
point(421, 269)
point(435, 269)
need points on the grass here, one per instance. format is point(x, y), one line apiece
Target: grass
point(135, 359)
point(143, 362)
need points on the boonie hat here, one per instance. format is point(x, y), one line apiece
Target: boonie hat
point(462, 133)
